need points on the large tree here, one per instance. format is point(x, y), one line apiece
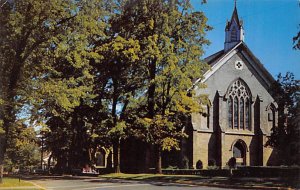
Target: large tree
point(123, 79)
point(34, 35)
point(286, 92)
point(171, 35)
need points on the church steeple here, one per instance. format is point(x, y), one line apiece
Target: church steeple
point(234, 32)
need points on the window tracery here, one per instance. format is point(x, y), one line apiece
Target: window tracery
point(239, 106)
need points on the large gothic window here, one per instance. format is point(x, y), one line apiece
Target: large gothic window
point(239, 106)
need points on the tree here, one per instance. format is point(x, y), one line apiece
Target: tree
point(34, 34)
point(296, 39)
point(122, 74)
point(286, 92)
point(23, 149)
point(171, 35)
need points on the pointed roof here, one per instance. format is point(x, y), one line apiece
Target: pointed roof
point(234, 17)
point(218, 59)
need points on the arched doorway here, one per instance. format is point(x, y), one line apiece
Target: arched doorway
point(239, 152)
point(100, 158)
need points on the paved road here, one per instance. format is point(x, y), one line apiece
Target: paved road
point(83, 183)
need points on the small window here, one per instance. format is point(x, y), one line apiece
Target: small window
point(208, 114)
point(270, 116)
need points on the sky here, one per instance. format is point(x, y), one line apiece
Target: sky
point(269, 26)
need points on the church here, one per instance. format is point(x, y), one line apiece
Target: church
point(241, 112)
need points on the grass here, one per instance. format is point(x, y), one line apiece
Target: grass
point(14, 182)
point(214, 181)
point(150, 176)
point(162, 177)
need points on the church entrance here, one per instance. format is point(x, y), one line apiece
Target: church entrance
point(100, 158)
point(239, 153)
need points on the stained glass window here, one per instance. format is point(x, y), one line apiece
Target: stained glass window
point(236, 113)
point(247, 114)
point(242, 113)
point(230, 111)
point(239, 106)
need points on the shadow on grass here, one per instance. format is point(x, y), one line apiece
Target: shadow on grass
point(178, 180)
point(214, 181)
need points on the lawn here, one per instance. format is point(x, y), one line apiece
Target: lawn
point(150, 176)
point(209, 181)
point(15, 182)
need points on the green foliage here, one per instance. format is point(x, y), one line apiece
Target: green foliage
point(91, 72)
point(23, 148)
point(14, 182)
point(286, 92)
point(296, 41)
point(171, 36)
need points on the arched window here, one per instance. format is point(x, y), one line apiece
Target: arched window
point(230, 111)
point(239, 106)
point(236, 113)
point(247, 114)
point(242, 108)
point(272, 115)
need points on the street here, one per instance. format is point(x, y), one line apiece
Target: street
point(85, 183)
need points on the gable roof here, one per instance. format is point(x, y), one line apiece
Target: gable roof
point(215, 61)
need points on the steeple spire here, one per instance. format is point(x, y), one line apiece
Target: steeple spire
point(234, 32)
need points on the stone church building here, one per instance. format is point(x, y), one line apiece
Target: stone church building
point(241, 112)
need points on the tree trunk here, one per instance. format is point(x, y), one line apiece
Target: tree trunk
point(117, 149)
point(152, 87)
point(1, 173)
point(49, 163)
point(147, 159)
point(158, 166)
point(2, 153)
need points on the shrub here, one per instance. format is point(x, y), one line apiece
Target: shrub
point(212, 162)
point(185, 163)
point(199, 164)
point(212, 165)
point(171, 167)
point(232, 162)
